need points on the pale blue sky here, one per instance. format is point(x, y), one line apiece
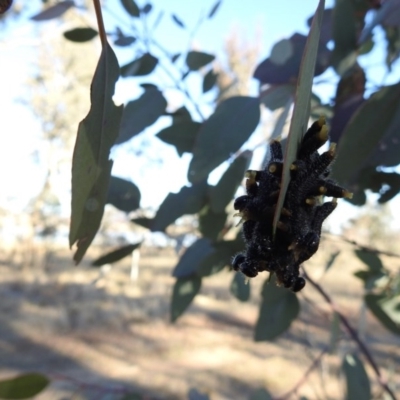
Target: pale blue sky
point(21, 177)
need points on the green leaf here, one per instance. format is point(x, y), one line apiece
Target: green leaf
point(194, 394)
point(91, 166)
point(211, 223)
point(357, 382)
point(331, 260)
point(240, 287)
point(181, 135)
point(214, 9)
point(141, 113)
point(182, 114)
point(344, 33)
point(178, 21)
point(131, 7)
point(116, 255)
point(386, 310)
point(189, 200)
point(261, 394)
point(80, 35)
point(197, 59)
point(54, 11)
point(279, 308)
point(143, 65)
point(225, 189)
point(372, 120)
point(220, 257)
point(191, 259)
point(123, 194)
point(301, 110)
point(277, 96)
point(185, 289)
point(23, 386)
point(281, 121)
point(222, 134)
point(373, 262)
point(209, 80)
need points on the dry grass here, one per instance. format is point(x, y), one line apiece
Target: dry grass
point(98, 335)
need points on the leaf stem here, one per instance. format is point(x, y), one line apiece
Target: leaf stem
point(100, 23)
point(353, 334)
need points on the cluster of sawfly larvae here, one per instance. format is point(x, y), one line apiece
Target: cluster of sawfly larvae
point(299, 227)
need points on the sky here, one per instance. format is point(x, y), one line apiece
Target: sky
point(20, 131)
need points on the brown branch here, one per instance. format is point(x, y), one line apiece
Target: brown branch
point(303, 379)
point(353, 334)
point(100, 23)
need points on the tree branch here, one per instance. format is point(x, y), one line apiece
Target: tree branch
point(353, 334)
point(100, 23)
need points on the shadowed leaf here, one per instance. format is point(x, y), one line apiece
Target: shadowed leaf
point(80, 35)
point(261, 394)
point(123, 194)
point(197, 59)
point(141, 113)
point(143, 65)
point(279, 308)
point(131, 7)
point(116, 255)
point(357, 382)
point(223, 192)
point(143, 221)
point(147, 8)
point(240, 288)
point(91, 166)
point(222, 134)
point(54, 11)
point(185, 289)
point(373, 262)
point(23, 386)
point(124, 41)
point(386, 310)
point(209, 80)
point(178, 21)
point(211, 223)
point(181, 135)
point(331, 260)
point(277, 96)
point(301, 110)
point(380, 110)
point(214, 9)
point(191, 259)
point(190, 200)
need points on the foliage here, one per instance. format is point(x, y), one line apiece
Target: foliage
point(285, 78)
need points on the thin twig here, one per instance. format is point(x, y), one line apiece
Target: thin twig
point(303, 379)
point(100, 23)
point(353, 334)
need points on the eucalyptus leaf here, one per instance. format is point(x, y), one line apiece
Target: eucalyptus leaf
point(223, 192)
point(279, 308)
point(211, 223)
point(357, 382)
point(240, 287)
point(141, 66)
point(123, 194)
point(181, 135)
point(131, 7)
point(222, 134)
point(23, 386)
point(261, 394)
point(209, 80)
point(141, 113)
point(197, 59)
point(185, 289)
point(372, 120)
point(116, 255)
point(55, 11)
point(80, 35)
point(91, 166)
point(386, 310)
point(301, 110)
point(189, 200)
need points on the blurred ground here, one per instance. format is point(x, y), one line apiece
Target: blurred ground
point(98, 336)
